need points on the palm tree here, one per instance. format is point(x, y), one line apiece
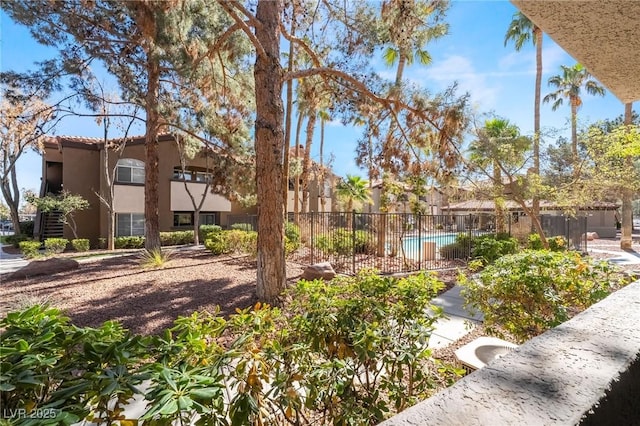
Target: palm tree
point(569, 85)
point(354, 191)
point(521, 31)
point(495, 132)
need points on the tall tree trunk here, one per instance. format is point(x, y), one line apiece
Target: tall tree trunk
point(627, 195)
point(537, 32)
point(497, 199)
point(11, 194)
point(289, 111)
point(306, 164)
point(574, 136)
point(296, 184)
point(323, 200)
point(151, 193)
point(269, 146)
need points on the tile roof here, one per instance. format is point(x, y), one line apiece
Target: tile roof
point(489, 205)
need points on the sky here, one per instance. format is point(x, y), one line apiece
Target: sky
point(498, 79)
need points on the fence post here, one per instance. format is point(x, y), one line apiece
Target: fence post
point(353, 241)
point(312, 237)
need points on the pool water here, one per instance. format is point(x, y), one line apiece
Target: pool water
point(413, 246)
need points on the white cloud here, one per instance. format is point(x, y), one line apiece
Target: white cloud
point(524, 62)
point(461, 69)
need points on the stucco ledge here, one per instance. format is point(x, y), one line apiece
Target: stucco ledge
point(581, 372)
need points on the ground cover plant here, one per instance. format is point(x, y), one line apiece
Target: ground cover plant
point(348, 352)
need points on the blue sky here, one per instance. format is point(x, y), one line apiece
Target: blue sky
point(498, 78)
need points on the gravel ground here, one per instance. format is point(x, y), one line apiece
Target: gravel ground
point(144, 301)
point(147, 301)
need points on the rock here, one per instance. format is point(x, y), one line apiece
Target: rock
point(592, 236)
point(323, 271)
point(45, 267)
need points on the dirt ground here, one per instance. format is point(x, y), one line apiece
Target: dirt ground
point(144, 301)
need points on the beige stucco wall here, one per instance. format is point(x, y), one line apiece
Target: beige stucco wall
point(80, 176)
point(128, 198)
point(180, 200)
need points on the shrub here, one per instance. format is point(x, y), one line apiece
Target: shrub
point(242, 241)
point(129, 242)
point(102, 243)
point(80, 244)
point(557, 243)
point(531, 291)
point(29, 249)
point(206, 230)
point(176, 238)
point(242, 227)
point(349, 352)
point(26, 228)
point(534, 242)
point(291, 237)
point(16, 239)
point(455, 251)
point(55, 245)
point(344, 242)
point(356, 328)
point(217, 243)
point(82, 372)
point(489, 248)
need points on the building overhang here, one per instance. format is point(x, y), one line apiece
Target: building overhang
point(604, 36)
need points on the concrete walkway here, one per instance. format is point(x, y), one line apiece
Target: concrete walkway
point(457, 321)
point(622, 257)
point(10, 262)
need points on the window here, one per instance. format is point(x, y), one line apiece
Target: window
point(192, 174)
point(129, 170)
point(209, 218)
point(129, 224)
point(182, 219)
point(203, 177)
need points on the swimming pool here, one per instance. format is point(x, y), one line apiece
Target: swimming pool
point(413, 246)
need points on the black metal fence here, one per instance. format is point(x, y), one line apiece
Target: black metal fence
point(572, 229)
point(387, 242)
point(406, 242)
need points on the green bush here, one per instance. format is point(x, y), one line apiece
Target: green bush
point(55, 245)
point(557, 243)
point(534, 242)
point(80, 244)
point(217, 243)
point(102, 243)
point(344, 242)
point(176, 238)
point(291, 237)
point(366, 338)
point(206, 230)
point(455, 251)
point(16, 239)
point(242, 227)
point(489, 248)
point(242, 241)
point(26, 228)
point(350, 352)
point(49, 363)
point(531, 291)
point(29, 249)
point(128, 242)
